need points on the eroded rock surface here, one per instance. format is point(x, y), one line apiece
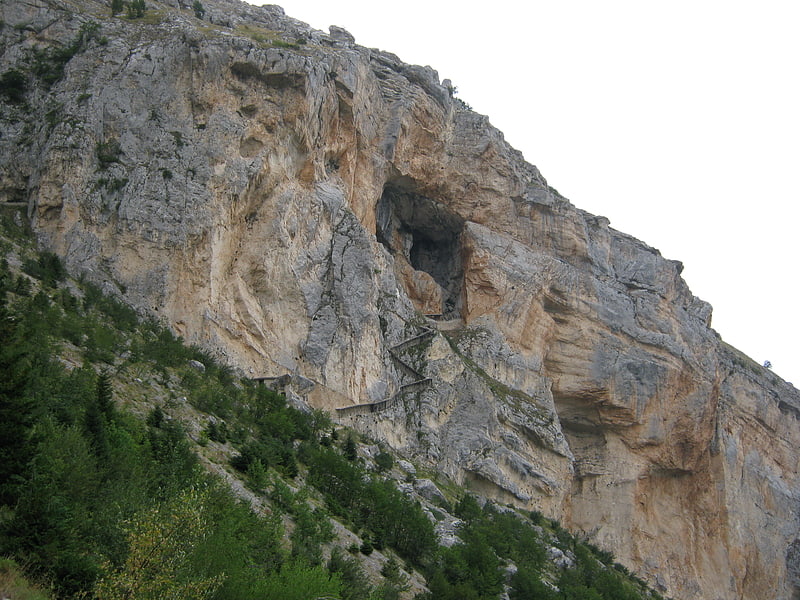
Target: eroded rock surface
point(305, 206)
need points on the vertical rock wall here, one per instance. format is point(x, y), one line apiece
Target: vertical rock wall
point(299, 204)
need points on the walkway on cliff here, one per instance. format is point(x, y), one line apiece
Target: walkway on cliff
point(419, 380)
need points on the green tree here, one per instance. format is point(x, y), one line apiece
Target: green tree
point(383, 461)
point(199, 10)
point(161, 540)
point(527, 585)
point(136, 9)
point(54, 519)
point(355, 582)
point(117, 6)
point(299, 581)
point(95, 424)
point(105, 395)
point(13, 84)
point(17, 410)
point(396, 582)
point(312, 529)
point(468, 508)
point(257, 478)
point(349, 450)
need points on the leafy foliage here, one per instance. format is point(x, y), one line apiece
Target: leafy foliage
point(136, 9)
point(13, 84)
point(199, 10)
point(107, 153)
point(47, 268)
point(160, 542)
point(376, 505)
point(48, 64)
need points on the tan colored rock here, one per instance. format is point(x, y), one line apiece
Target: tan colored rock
point(297, 211)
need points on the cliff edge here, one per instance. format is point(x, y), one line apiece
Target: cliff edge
point(313, 209)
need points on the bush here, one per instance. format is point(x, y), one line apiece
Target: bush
point(136, 9)
point(355, 581)
point(199, 10)
point(48, 64)
point(108, 153)
point(47, 268)
point(349, 450)
point(13, 85)
point(384, 461)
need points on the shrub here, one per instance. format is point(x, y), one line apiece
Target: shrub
point(199, 10)
point(384, 461)
point(13, 84)
point(48, 64)
point(47, 268)
point(108, 153)
point(537, 518)
point(349, 450)
point(366, 548)
point(136, 9)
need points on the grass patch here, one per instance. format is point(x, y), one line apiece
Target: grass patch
point(14, 585)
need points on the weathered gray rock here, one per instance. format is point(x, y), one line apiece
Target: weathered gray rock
point(197, 365)
point(407, 467)
point(428, 490)
point(557, 557)
point(299, 207)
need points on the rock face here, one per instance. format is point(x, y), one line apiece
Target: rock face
point(299, 204)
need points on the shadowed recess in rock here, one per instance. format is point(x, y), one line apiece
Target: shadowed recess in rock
point(426, 235)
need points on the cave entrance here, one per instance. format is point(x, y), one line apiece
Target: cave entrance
point(424, 235)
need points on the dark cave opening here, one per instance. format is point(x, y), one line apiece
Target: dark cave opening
point(427, 234)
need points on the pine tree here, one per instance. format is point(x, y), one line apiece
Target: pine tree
point(349, 450)
point(95, 423)
point(105, 395)
point(136, 9)
point(16, 408)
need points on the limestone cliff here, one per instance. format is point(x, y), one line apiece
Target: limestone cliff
point(306, 206)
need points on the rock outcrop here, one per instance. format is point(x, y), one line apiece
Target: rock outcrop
point(308, 207)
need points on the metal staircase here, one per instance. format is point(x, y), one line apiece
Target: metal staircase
point(419, 380)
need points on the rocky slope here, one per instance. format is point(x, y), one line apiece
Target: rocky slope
point(299, 204)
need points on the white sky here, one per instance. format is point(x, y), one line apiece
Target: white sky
point(679, 121)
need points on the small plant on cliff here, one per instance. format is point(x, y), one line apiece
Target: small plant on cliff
point(383, 461)
point(108, 153)
point(48, 64)
point(136, 9)
point(12, 85)
point(199, 10)
point(349, 449)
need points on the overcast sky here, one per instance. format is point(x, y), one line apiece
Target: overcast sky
point(679, 121)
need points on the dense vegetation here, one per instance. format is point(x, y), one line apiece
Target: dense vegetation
point(102, 493)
